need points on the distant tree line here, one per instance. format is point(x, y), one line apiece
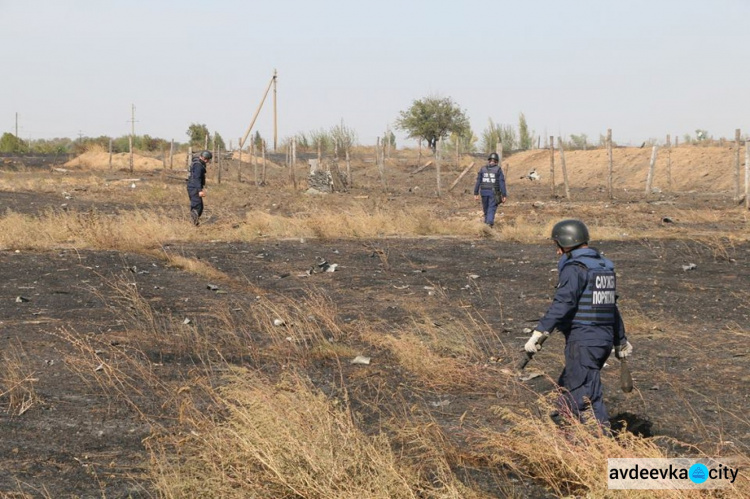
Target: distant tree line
point(198, 138)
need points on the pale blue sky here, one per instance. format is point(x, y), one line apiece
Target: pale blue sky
point(642, 68)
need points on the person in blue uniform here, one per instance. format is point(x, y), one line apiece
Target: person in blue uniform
point(584, 309)
point(491, 186)
point(196, 184)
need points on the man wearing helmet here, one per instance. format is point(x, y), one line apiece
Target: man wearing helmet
point(196, 184)
point(491, 185)
point(584, 309)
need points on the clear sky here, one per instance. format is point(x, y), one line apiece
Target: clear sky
point(643, 68)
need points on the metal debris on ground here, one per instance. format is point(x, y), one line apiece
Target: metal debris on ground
point(689, 266)
point(360, 359)
point(530, 376)
point(212, 287)
point(21, 299)
point(441, 403)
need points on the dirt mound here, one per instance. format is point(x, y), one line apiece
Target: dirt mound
point(99, 160)
point(693, 168)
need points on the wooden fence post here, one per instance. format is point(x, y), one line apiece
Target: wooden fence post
point(609, 156)
point(130, 145)
point(254, 159)
point(292, 162)
point(380, 163)
point(110, 154)
point(747, 176)
point(263, 175)
point(239, 165)
point(348, 169)
point(564, 167)
point(466, 170)
point(669, 163)
point(217, 157)
point(737, 164)
point(171, 154)
point(552, 163)
point(650, 176)
point(438, 163)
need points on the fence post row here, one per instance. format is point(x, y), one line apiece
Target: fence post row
point(564, 167)
point(650, 176)
point(737, 164)
point(609, 156)
point(552, 163)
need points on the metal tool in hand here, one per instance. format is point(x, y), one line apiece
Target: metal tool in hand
point(528, 355)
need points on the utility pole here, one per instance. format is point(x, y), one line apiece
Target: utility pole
point(16, 125)
point(132, 120)
point(275, 126)
point(271, 83)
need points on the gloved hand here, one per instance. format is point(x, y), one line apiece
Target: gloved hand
point(623, 351)
point(531, 345)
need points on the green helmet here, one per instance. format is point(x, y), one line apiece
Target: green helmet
point(570, 233)
point(206, 155)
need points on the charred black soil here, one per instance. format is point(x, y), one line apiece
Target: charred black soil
point(686, 305)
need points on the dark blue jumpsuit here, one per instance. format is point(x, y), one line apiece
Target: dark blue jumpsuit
point(490, 179)
point(584, 309)
point(196, 183)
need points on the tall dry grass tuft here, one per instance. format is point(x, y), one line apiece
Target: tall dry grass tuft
point(353, 221)
point(283, 439)
point(572, 460)
point(194, 266)
point(295, 329)
point(17, 381)
point(443, 356)
point(127, 231)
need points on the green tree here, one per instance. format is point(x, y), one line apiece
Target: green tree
point(346, 137)
point(320, 140)
point(495, 133)
point(258, 141)
point(701, 135)
point(197, 134)
point(578, 141)
point(466, 141)
point(12, 144)
point(216, 142)
point(52, 146)
point(525, 138)
point(432, 119)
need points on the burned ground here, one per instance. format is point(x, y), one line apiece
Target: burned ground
point(690, 363)
point(98, 345)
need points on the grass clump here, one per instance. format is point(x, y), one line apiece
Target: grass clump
point(283, 440)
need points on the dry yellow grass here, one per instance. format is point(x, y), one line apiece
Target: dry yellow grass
point(286, 439)
point(573, 460)
point(17, 381)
